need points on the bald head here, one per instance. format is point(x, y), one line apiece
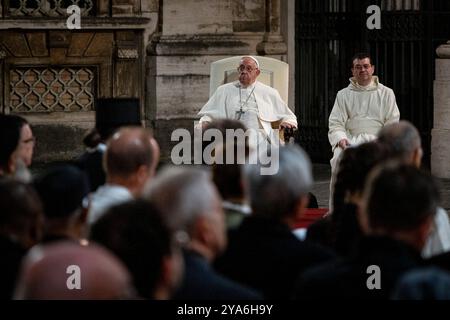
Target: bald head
point(49, 271)
point(403, 141)
point(131, 157)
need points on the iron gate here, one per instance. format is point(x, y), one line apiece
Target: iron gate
point(330, 32)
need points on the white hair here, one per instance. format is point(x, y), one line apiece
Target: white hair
point(276, 195)
point(182, 194)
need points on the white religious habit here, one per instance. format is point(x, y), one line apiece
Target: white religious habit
point(359, 112)
point(257, 106)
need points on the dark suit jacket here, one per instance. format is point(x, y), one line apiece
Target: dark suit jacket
point(12, 254)
point(201, 282)
point(339, 231)
point(92, 164)
point(264, 254)
point(347, 278)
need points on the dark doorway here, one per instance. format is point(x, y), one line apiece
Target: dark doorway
point(329, 32)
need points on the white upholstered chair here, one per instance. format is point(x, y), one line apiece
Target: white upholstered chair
point(274, 73)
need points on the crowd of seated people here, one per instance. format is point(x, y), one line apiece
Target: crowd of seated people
point(222, 231)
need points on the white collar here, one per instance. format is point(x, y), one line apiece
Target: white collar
point(250, 87)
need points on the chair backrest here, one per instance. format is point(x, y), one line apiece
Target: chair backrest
point(274, 73)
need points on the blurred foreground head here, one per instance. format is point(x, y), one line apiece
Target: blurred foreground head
point(68, 271)
point(399, 201)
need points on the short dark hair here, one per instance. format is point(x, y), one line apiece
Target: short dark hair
point(228, 177)
point(400, 197)
point(360, 56)
point(20, 209)
point(136, 233)
point(62, 190)
point(10, 129)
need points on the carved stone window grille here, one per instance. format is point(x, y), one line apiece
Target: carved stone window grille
point(48, 8)
point(35, 89)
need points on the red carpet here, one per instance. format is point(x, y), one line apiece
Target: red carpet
point(310, 216)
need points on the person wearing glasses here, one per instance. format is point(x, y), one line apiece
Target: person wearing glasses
point(255, 104)
point(16, 147)
point(360, 111)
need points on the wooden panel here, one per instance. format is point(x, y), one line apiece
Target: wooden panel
point(126, 36)
point(103, 7)
point(126, 76)
point(16, 44)
point(101, 45)
point(37, 44)
point(79, 43)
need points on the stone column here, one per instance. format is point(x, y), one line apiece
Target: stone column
point(440, 134)
point(273, 42)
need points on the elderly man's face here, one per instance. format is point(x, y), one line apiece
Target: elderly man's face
point(248, 72)
point(363, 70)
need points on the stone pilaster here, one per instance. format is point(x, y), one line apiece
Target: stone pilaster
point(273, 42)
point(440, 147)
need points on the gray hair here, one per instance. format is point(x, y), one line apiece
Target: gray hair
point(182, 194)
point(402, 138)
point(277, 195)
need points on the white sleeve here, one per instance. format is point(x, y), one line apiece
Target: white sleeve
point(336, 121)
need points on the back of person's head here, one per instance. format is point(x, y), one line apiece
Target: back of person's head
point(190, 204)
point(62, 190)
point(10, 132)
point(227, 175)
point(131, 151)
point(92, 139)
point(137, 234)
point(399, 198)
point(277, 196)
point(354, 167)
point(403, 141)
point(235, 130)
point(66, 270)
point(225, 124)
point(20, 212)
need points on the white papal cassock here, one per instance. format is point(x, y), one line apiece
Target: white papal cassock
point(258, 99)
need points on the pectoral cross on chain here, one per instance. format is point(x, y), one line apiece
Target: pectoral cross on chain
point(240, 112)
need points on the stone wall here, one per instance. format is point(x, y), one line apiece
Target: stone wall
point(40, 52)
point(157, 50)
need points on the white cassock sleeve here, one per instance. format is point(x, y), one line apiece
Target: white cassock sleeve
point(215, 107)
point(392, 112)
point(336, 121)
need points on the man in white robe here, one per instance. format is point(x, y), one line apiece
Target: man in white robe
point(359, 111)
point(255, 104)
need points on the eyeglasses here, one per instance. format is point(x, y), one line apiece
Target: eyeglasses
point(360, 67)
point(243, 68)
point(29, 140)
